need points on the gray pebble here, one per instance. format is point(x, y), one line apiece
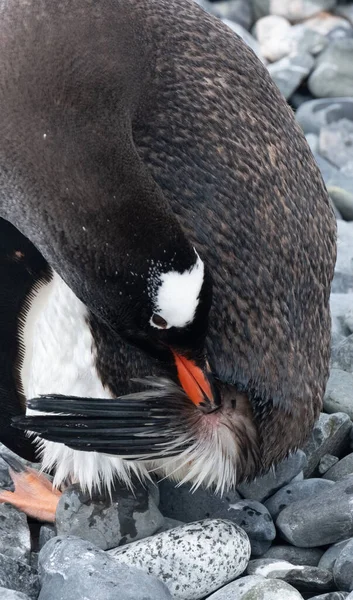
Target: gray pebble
point(46, 533)
point(289, 72)
point(343, 468)
point(238, 11)
point(304, 578)
point(185, 505)
point(193, 560)
point(326, 462)
point(333, 75)
point(343, 568)
point(15, 539)
point(339, 393)
point(18, 575)
point(265, 486)
point(343, 201)
point(343, 355)
point(254, 518)
point(301, 9)
point(324, 519)
point(336, 142)
point(329, 558)
point(297, 556)
point(74, 569)
point(331, 596)
point(315, 114)
point(253, 587)
point(330, 436)
point(295, 491)
point(6, 594)
point(127, 516)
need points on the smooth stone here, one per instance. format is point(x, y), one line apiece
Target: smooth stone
point(304, 578)
point(339, 393)
point(257, 588)
point(108, 522)
point(342, 355)
point(183, 504)
point(328, 559)
point(238, 11)
point(246, 37)
point(261, 8)
point(331, 596)
point(15, 538)
point(315, 114)
point(17, 575)
point(180, 502)
point(273, 33)
point(46, 533)
point(301, 9)
point(327, 24)
point(193, 560)
point(290, 71)
point(297, 556)
point(329, 436)
point(294, 492)
point(74, 569)
point(326, 462)
point(263, 487)
point(336, 141)
point(6, 594)
point(343, 568)
point(324, 519)
point(342, 179)
point(333, 74)
point(304, 39)
point(343, 468)
point(343, 201)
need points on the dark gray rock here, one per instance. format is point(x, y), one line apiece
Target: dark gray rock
point(296, 556)
point(17, 575)
point(193, 560)
point(6, 594)
point(330, 436)
point(46, 533)
point(343, 201)
point(329, 558)
point(15, 539)
point(331, 596)
point(333, 74)
point(343, 568)
point(254, 518)
point(256, 588)
point(268, 484)
point(326, 462)
point(289, 72)
point(106, 522)
point(238, 11)
point(315, 114)
point(304, 578)
point(185, 505)
point(343, 468)
point(324, 519)
point(339, 393)
point(294, 492)
point(336, 142)
point(74, 569)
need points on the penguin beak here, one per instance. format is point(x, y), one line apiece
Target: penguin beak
point(197, 384)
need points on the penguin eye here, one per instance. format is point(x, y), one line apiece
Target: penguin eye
point(159, 321)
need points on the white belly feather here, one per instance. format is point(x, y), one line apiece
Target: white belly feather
point(59, 359)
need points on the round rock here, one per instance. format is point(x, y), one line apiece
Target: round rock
point(301, 9)
point(339, 392)
point(304, 578)
point(329, 558)
point(193, 560)
point(273, 35)
point(257, 588)
point(343, 568)
point(330, 434)
point(289, 72)
point(108, 522)
point(315, 114)
point(297, 556)
point(333, 74)
point(340, 470)
point(342, 199)
point(74, 569)
point(324, 519)
point(293, 492)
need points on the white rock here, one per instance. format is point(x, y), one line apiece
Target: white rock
point(273, 35)
point(296, 10)
point(193, 560)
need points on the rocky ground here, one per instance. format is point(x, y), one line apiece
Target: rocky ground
point(288, 535)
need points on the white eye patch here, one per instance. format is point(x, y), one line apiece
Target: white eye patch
point(177, 295)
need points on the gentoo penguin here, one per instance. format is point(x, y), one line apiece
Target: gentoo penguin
point(187, 236)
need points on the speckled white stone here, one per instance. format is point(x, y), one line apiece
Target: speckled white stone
point(193, 560)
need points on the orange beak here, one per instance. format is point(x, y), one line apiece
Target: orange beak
point(194, 383)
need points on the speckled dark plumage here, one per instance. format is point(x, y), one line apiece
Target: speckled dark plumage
point(214, 133)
